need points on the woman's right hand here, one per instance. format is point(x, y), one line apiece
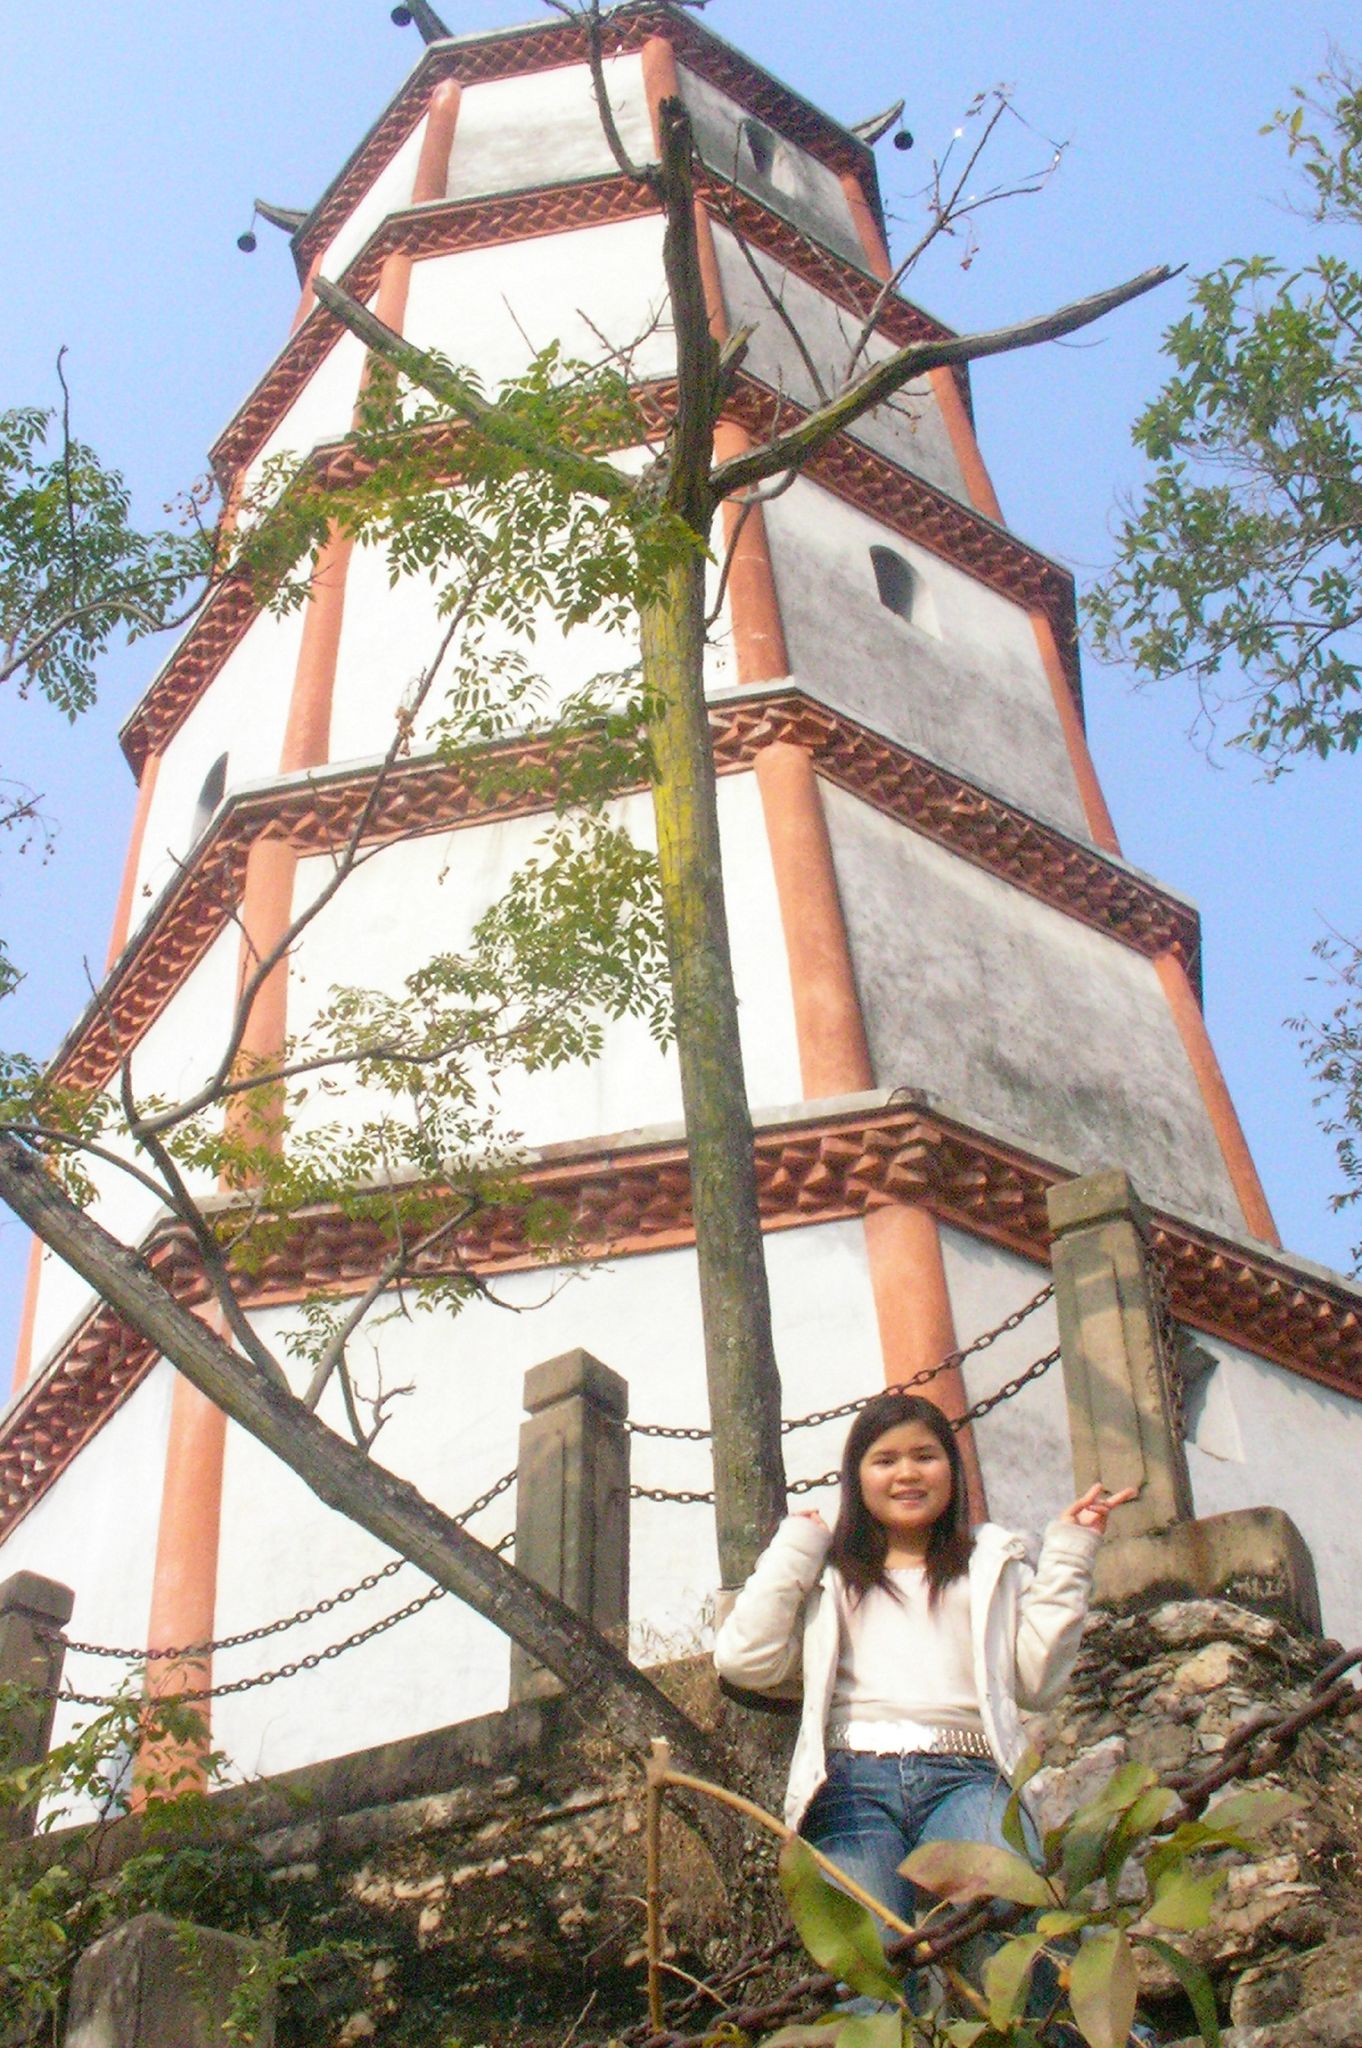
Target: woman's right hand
point(811, 1515)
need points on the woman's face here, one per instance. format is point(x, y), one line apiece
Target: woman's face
point(906, 1483)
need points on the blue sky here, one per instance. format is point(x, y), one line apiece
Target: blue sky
point(138, 134)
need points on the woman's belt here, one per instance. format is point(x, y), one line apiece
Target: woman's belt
point(906, 1738)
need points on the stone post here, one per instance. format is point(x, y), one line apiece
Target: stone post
point(1121, 1407)
point(572, 1497)
point(1126, 1429)
point(33, 1611)
point(160, 1983)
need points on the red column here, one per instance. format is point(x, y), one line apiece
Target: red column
point(1224, 1121)
point(432, 168)
point(834, 1058)
point(146, 788)
point(903, 1241)
point(758, 634)
point(917, 1326)
point(23, 1349)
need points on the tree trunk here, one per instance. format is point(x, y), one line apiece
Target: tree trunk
point(604, 1685)
point(744, 1382)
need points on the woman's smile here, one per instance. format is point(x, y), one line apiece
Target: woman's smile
point(905, 1481)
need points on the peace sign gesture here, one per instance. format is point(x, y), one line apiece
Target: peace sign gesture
point(1091, 1509)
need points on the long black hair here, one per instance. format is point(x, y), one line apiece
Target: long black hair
point(859, 1543)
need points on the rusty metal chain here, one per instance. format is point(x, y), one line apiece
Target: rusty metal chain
point(193, 1652)
point(1170, 1341)
point(688, 1497)
point(1009, 1323)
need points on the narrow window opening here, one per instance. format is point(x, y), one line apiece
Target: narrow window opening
point(761, 146)
point(210, 796)
point(894, 580)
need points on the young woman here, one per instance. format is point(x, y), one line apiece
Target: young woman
point(918, 1640)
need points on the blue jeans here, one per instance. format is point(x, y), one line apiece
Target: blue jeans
point(870, 1811)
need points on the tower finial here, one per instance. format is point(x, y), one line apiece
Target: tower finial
point(427, 20)
point(876, 125)
point(289, 218)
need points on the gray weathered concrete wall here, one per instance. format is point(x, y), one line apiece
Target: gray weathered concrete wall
point(1027, 1020)
point(910, 431)
point(801, 188)
point(969, 693)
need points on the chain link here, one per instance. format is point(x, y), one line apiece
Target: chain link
point(197, 1651)
point(920, 1379)
point(678, 1497)
point(684, 1497)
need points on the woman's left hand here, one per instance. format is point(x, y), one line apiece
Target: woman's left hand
point(1091, 1509)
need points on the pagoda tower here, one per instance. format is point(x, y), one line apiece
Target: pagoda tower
point(955, 991)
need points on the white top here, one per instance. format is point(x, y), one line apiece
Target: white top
point(900, 1662)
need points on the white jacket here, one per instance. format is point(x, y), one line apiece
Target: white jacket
point(1027, 1624)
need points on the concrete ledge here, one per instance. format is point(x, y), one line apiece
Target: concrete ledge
point(1255, 1557)
point(159, 1983)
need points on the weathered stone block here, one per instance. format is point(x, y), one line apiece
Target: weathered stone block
point(1281, 1989)
point(1121, 1411)
point(1337, 2023)
point(33, 1611)
point(572, 1496)
point(1255, 1557)
point(159, 1983)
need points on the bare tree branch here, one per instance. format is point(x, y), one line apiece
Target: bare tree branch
point(801, 442)
point(590, 15)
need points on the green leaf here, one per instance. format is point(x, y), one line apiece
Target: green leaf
point(1083, 1851)
point(1013, 1833)
point(1139, 1820)
point(1121, 1791)
point(821, 2034)
point(838, 1932)
point(1052, 1925)
point(872, 2030)
point(1103, 1983)
point(1194, 1981)
point(1183, 1900)
point(1007, 1977)
point(975, 1870)
point(1250, 1812)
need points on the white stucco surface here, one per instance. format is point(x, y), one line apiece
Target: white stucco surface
point(1034, 1023)
point(322, 411)
point(1270, 1438)
point(909, 430)
point(95, 1531)
point(446, 880)
point(1023, 1444)
point(543, 128)
point(390, 191)
point(458, 1431)
point(490, 310)
point(173, 1057)
point(389, 636)
point(971, 693)
point(241, 714)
